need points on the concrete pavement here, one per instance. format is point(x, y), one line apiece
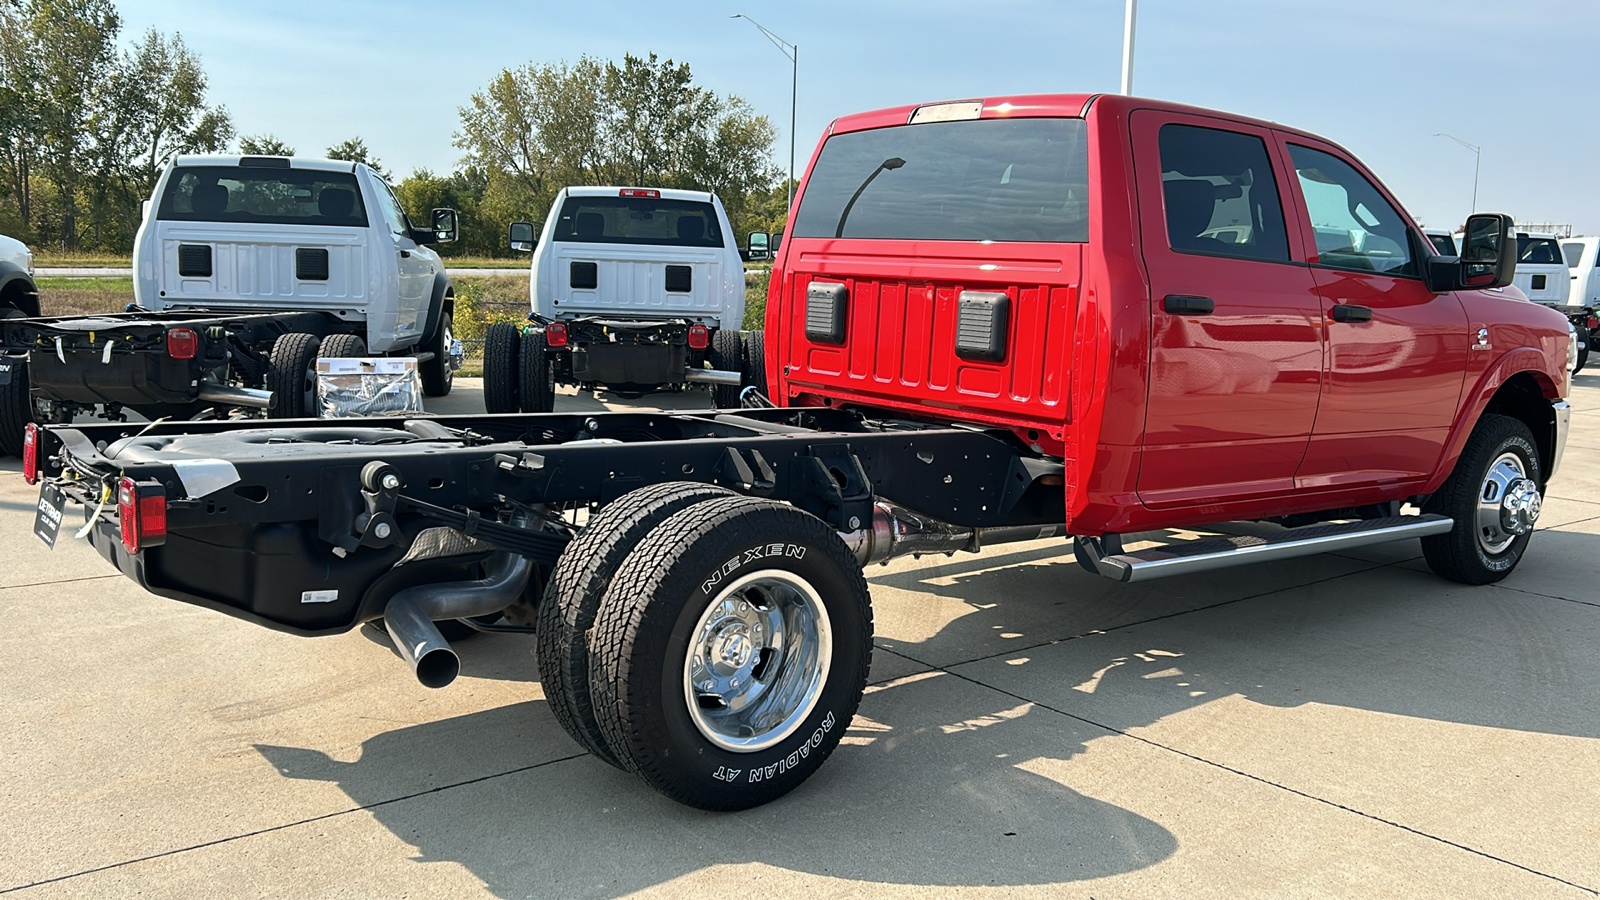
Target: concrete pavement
point(1340, 726)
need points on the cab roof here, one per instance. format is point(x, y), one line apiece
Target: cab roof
point(294, 162)
point(613, 190)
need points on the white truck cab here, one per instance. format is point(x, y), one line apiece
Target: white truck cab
point(1582, 256)
point(631, 289)
point(18, 295)
point(1541, 271)
point(290, 234)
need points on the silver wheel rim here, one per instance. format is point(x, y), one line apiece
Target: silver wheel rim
point(758, 659)
point(1508, 504)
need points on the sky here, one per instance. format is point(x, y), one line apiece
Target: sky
point(1380, 77)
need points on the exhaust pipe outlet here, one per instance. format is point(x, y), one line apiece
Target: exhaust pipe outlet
point(712, 376)
point(410, 614)
point(897, 531)
point(212, 392)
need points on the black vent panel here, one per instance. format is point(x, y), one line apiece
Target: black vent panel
point(680, 279)
point(825, 309)
point(194, 260)
point(982, 318)
point(584, 276)
point(311, 264)
point(1538, 282)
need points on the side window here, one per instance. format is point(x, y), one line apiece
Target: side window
point(1355, 226)
point(1573, 252)
point(1220, 195)
point(391, 211)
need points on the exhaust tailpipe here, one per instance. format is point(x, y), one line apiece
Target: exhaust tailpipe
point(410, 614)
point(212, 392)
point(712, 376)
point(898, 531)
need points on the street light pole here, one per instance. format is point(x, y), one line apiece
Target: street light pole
point(1476, 166)
point(1127, 46)
point(792, 51)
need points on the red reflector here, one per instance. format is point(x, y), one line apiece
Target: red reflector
point(1594, 322)
point(141, 514)
point(30, 453)
point(555, 334)
point(699, 337)
point(640, 192)
point(183, 343)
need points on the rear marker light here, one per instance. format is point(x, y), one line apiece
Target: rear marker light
point(699, 337)
point(183, 343)
point(555, 334)
point(141, 513)
point(30, 453)
point(639, 192)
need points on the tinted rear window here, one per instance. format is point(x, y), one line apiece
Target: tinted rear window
point(977, 180)
point(638, 220)
point(1538, 250)
point(255, 196)
point(1443, 244)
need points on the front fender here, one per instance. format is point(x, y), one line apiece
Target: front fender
point(1518, 361)
point(17, 290)
point(443, 301)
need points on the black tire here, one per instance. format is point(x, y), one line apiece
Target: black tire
point(501, 374)
point(1467, 553)
point(537, 384)
point(16, 404)
point(661, 602)
point(1583, 359)
point(342, 346)
point(577, 585)
point(727, 353)
point(292, 376)
point(437, 376)
point(755, 362)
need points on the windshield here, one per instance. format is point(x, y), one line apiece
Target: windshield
point(267, 195)
point(638, 220)
point(1543, 251)
point(975, 180)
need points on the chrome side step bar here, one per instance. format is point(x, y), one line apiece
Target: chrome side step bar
point(1222, 553)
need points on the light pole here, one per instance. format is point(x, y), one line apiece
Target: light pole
point(1127, 46)
point(1476, 166)
point(792, 51)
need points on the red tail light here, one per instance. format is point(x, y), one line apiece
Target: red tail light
point(1593, 322)
point(141, 513)
point(640, 192)
point(30, 453)
point(699, 337)
point(183, 343)
point(555, 334)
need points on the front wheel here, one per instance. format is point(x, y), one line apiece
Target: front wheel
point(1494, 497)
point(1583, 358)
point(730, 652)
point(438, 375)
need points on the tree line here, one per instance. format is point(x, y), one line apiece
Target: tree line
point(86, 127)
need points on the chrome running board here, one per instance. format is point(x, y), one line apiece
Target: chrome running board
point(1226, 552)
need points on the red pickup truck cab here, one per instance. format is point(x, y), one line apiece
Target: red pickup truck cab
point(1206, 317)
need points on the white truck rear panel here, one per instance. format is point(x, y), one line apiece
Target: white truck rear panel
point(1541, 272)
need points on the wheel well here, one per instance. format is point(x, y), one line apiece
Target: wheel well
point(20, 294)
point(1522, 399)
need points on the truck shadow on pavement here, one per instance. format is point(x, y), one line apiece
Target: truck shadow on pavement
point(936, 782)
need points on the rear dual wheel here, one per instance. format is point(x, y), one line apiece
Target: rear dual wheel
point(292, 375)
point(536, 377)
point(727, 353)
point(502, 375)
point(16, 404)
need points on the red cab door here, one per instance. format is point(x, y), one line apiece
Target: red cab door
point(1235, 320)
point(1397, 352)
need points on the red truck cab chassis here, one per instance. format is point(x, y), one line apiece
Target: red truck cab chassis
point(1206, 317)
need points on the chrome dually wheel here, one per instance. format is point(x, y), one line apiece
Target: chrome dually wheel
point(1508, 503)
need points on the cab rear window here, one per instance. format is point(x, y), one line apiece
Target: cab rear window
point(1534, 250)
point(652, 221)
point(270, 196)
point(974, 180)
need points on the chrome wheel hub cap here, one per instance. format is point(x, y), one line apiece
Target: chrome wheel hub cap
point(1508, 504)
point(757, 661)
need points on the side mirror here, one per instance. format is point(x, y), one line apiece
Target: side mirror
point(522, 236)
point(755, 244)
point(776, 241)
point(446, 226)
point(1488, 251)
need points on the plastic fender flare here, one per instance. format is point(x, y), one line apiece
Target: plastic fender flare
point(10, 275)
point(443, 301)
point(1511, 363)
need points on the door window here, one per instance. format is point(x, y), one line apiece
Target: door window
point(1219, 193)
point(391, 212)
point(1573, 252)
point(1356, 228)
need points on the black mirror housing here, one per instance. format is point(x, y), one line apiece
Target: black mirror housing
point(446, 226)
point(522, 236)
point(1488, 251)
point(756, 245)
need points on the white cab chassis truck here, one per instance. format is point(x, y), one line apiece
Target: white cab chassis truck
point(246, 271)
point(632, 290)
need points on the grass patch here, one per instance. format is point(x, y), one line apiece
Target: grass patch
point(755, 299)
point(55, 259)
point(520, 261)
point(83, 296)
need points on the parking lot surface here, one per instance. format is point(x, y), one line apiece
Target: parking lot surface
point(1346, 725)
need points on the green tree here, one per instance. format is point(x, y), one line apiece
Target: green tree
point(355, 150)
point(263, 145)
point(165, 91)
